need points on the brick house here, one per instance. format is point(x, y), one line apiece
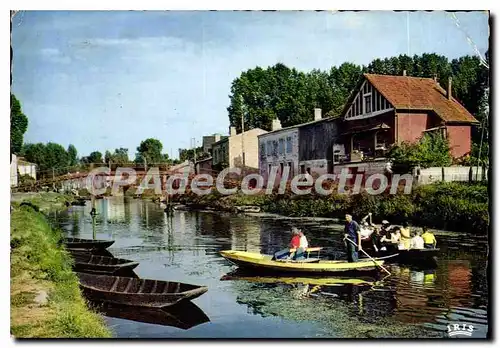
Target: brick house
point(385, 110)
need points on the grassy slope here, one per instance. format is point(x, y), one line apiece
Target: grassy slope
point(38, 264)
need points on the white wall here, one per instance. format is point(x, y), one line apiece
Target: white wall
point(457, 173)
point(13, 171)
point(27, 169)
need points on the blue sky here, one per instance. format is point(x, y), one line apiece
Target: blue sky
point(103, 80)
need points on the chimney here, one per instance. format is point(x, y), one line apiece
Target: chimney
point(404, 72)
point(317, 114)
point(232, 131)
point(435, 78)
point(276, 124)
point(448, 94)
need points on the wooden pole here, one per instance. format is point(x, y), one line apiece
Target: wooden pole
point(93, 227)
point(371, 258)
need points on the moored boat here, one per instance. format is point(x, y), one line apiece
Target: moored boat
point(137, 291)
point(89, 263)
point(101, 252)
point(88, 244)
point(261, 262)
point(247, 209)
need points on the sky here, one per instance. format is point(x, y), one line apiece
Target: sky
point(108, 79)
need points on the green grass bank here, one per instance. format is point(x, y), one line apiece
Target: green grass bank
point(45, 298)
point(449, 206)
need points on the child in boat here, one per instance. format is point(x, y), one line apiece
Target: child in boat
point(429, 239)
point(294, 244)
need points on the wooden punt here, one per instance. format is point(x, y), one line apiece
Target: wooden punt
point(411, 256)
point(88, 263)
point(261, 262)
point(183, 315)
point(79, 243)
point(137, 291)
point(101, 252)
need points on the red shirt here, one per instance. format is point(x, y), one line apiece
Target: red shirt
point(295, 243)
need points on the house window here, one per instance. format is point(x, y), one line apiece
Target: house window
point(275, 148)
point(262, 150)
point(281, 168)
point(281, 146)
point(289, 145)
point(302, 169)
point(368, 104)
point(269, 169)
point(290, 166)
point(269, 148)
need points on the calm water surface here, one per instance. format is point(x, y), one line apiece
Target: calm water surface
point(411, 302)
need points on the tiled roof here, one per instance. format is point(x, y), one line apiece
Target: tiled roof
point(415, 93)
point(325, 119)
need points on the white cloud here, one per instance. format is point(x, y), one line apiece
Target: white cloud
point(54, 55)
point(161, 41)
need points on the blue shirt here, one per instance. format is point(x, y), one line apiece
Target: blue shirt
point(351, 228)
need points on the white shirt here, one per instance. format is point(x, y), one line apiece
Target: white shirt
point(417, 242)
point(304, 244)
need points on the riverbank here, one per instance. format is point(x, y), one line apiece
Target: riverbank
point(46, 301)
point(45, 201)
point(449, 206)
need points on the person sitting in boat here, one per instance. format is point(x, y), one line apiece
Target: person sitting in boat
point(390, 236)
point(405, 242)
point(417, 242)
point(294, 244)
point(429, 239)
point(303, 245)
point(352, 235)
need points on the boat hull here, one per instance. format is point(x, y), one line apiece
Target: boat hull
point(412, 256)
point(137, 292)
point(87, 244)
point(96, 264)
point(263, 263)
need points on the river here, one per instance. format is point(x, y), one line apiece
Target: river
point(412, 302)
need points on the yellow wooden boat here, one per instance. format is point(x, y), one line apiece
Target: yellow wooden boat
point(261, 262)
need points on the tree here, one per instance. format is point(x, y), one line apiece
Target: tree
point(120, 156)
point(95, 157)
point(107, 156)
point(72, 155)
point(432, 150)
point(56, 158)
point(149, 150)
point(188, 154)
point(18, 125)
point(35, 153)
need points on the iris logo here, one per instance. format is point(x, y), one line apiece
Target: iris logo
point(460, 329)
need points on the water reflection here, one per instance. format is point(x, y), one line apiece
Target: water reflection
point(412, 302)
point(184, 315)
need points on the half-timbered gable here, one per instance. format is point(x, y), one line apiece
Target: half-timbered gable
point(368, 102)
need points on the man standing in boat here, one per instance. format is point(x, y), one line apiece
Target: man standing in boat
point(352, 235)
